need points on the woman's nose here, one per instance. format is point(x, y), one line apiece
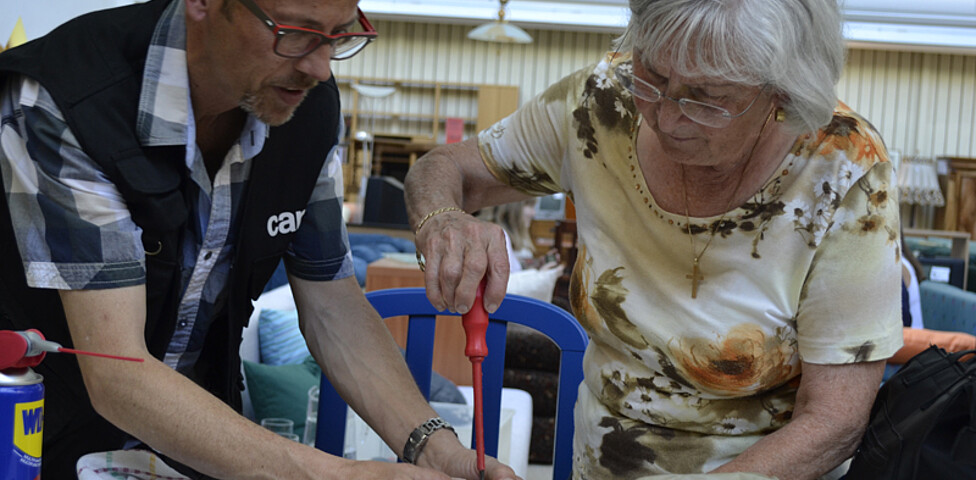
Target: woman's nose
point(669, 114)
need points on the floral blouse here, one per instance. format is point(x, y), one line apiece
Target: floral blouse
point(807, 269)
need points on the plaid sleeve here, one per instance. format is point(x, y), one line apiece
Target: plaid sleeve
point(72, 228)
point(320, 250)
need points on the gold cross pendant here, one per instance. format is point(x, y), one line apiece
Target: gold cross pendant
point(696, 277)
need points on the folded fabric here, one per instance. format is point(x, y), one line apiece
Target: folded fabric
point(125, 465)
point(709, 476)
point(919, 339)
point(281, 341)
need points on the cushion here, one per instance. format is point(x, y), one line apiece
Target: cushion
point(282, 390)
point(280, 339)
point(534, 283)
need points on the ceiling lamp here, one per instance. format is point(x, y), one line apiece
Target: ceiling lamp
point(500, 30)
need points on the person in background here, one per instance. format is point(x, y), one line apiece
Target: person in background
point(515, 218)
point(738, 268)
point(158, 160)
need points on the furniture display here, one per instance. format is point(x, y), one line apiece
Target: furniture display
point(554, 322)
point(410, 121)
point(566, 242)
point(959, 246)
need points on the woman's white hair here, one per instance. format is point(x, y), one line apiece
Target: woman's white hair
point(794, 46)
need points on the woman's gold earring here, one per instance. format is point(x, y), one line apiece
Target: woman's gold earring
point(780, 115)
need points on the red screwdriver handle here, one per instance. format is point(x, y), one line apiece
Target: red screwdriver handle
point(475, 324)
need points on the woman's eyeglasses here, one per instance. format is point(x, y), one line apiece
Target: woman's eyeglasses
point(296, 42)
point(699, 112)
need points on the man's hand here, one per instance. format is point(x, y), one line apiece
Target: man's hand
point(444, 453)
point(459, 250)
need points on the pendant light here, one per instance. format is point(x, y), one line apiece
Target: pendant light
point(500, 31)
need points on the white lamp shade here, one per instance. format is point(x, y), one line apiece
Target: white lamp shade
point(918, 182)
point(500, 32)
point(374, 91)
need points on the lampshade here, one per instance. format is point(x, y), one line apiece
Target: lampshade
point(500, 31)
point(373, 91)
point(918, 182)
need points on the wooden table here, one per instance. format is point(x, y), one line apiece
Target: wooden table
point(449, 338)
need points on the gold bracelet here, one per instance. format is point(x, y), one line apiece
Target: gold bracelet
point(420, 260)
point(432, 214)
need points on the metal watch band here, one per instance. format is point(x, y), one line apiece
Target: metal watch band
point(420, 435)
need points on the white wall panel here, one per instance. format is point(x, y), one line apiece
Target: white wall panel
point(922, 103)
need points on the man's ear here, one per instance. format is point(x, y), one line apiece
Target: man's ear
point(199, 9)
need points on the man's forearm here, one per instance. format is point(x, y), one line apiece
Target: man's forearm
point(175, 416)
point(358, 354)
point(165, 409)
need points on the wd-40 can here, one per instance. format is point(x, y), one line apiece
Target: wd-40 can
point(21, 424)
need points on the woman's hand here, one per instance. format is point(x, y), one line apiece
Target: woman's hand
point(459, 250)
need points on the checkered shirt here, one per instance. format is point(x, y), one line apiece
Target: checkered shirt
point(71, 224)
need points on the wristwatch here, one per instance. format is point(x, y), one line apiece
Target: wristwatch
point(418, 438)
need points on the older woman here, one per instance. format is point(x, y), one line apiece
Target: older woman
point(739, 265)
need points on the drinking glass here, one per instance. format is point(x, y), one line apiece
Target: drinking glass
point(280, 426)
point(311, 416)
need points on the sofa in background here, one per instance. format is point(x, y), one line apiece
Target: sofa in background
point(366, 248)
point(947, 308)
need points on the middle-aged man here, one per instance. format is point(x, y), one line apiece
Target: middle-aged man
point(157, 161)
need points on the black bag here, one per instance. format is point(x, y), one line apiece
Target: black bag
point(923, 422)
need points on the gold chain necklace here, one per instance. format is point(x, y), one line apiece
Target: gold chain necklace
point(696, 275)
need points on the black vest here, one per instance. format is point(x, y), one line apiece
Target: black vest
point(93, 68)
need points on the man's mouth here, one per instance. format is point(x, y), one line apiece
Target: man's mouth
point(291, 96)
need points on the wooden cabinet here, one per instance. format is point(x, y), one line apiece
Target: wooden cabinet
point(960, 195)
point(494, 103)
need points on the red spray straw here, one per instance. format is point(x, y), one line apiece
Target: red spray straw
point(475, 324)
point(28, 348)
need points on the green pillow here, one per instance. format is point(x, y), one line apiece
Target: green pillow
point(282, 390)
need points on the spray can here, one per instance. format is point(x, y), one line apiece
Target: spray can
point(21, 423)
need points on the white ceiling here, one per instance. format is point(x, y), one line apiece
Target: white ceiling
point(923, 25)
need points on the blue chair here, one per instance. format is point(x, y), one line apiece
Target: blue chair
point(552, 321)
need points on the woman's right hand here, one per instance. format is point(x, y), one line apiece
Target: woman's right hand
point(459, 250)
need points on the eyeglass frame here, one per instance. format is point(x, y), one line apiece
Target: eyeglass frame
point(279, 30)
point(623, 75)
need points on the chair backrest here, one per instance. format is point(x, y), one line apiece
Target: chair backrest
point(552, 321)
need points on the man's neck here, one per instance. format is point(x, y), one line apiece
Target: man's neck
point(216, 134)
